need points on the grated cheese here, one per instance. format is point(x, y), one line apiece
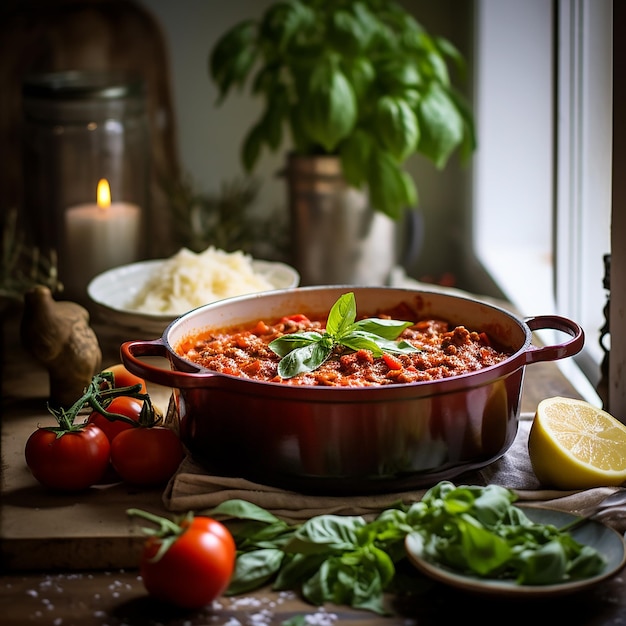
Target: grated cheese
point(188, 280)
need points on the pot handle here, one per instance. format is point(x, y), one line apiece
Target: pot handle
point(130, 350)
point(559, 350)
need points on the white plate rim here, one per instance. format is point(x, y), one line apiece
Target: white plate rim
point(116, 313)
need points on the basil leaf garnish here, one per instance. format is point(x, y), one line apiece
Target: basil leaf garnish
point(285, 344)
point(306, 351)
point(342, 315)
point(389, 329)
point(303, 359)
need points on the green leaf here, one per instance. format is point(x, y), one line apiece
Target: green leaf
point(410, 190)
point(484, 551)
point(387, 187)
point(242, 509)
point(386, 328)
point(469, 143)
point(298, 569)
point(329, 112)
point(544, 565)
point(360, 340)
point(252, 144)
point(283, 21)
point(342, 314)
point(347, 34)
point(233, 57)
point(326, 534)
point(282, 346)
point(448, 49)
point(397, 75)
point(276, 112)
point(355, 154)
point(441, 124)
point(361, 74)
point(397, 126)
point(303, 359)
point(254, 569)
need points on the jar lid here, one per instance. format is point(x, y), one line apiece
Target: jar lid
point(83, 85)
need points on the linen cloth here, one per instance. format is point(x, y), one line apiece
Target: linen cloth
point(192, 488)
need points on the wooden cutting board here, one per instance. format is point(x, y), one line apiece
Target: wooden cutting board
point(45, 530)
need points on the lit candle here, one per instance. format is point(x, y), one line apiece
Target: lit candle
point(98, 237)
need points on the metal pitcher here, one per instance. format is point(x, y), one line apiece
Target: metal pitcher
point(337, 238)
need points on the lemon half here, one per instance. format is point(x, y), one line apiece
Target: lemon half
point(575, 445)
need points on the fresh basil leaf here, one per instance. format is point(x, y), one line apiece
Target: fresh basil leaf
point(493, 505)
point(361, 340)
point(410, 190)
point(233, 57)
point(345, 580)
point(355, 154)
point(346, 34)
point(397, 126)
point(484, 551)
point(242, 509)
point(397, 347)
point(324, 533)
point(330, 111)
point(543, 565)
point(361, 74)
point(298, 569)
point(342, 315)
point(441, 124)
point(587, 562)
point(386, 328)
point(254, 569)
point(303, 359)
point(286, 343)
point(284, 21)
point(386, 184)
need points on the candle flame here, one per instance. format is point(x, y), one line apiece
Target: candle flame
point(104, 193)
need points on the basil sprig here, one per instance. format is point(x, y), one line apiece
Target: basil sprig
point(347, 560)
point(305, 352)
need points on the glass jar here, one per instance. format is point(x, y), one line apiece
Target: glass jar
point(84, 131)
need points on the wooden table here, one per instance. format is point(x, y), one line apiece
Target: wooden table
point(70, 559)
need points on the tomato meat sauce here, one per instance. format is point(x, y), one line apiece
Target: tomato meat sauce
point(443, 351)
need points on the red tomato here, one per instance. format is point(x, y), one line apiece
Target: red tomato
point(195, 570)
point(124, 405)
point(74, 461)
point(209, 525)
point(392, 362)
point(146, 456)
point(124, 378)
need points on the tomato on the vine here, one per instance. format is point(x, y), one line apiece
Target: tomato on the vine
point(188, 564)
point(68, 460)
point(123, 378)
point(122, 405)
point(147, 455)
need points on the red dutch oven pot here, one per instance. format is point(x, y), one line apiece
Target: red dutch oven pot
point(338, 440)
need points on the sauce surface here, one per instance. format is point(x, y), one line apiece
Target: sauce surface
point(444, 351)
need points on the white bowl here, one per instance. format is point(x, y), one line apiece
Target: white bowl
point(113, 291)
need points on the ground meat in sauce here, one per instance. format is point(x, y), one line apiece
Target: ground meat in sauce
point(444, 352)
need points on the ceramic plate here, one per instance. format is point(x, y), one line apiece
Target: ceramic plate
point(114, 289)
point(604, 539)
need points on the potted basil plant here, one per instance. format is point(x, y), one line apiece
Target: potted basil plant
point(356, 88)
